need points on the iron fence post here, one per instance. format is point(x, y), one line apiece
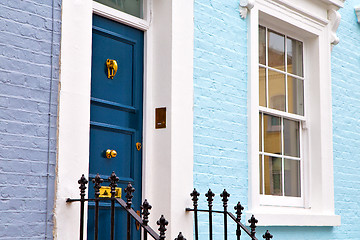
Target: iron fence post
point(113, 183)
point(97, 185)
point(210, 195)
point(225, 195)
point(82, 181)
point(195, 197)
point(238, 209)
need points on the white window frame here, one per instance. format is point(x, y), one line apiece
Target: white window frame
point(272, 200)
point(313, 28)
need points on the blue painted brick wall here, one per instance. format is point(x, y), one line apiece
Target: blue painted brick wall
point(29, 63)
point(346, 123)
point(220, 116)
point(220, 98)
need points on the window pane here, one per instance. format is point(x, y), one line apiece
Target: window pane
point(276, 50)
point(262, 45)
point(292, 180)
point(272, 134)
point(262, 86)
point(291, 138)
point(295, 96)
point(276, 91)
point(260, 132)
point(133, 7)
point(294, 57)
point(260, 174)
point(272, 175)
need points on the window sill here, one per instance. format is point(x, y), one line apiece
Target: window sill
point(287, 216)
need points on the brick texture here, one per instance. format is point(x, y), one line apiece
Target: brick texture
point(346, 123)
point(29, 63)
point(220, 117)
point(220, 98)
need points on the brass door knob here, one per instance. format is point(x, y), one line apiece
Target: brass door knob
point(138, 146)
point(111, 153)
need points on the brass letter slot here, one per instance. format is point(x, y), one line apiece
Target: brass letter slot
point(105, 192)
point(160, 117)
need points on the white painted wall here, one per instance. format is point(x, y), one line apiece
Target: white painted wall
point(167, 153)
point(74, 113)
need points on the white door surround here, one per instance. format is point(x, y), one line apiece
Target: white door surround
point(168, 82)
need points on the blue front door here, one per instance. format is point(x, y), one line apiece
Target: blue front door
point(116, 117)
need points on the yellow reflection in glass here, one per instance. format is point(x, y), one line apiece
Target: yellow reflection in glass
point(262, 87)
point(276, 90)
point(272, 134)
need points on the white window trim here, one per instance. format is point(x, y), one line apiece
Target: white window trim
point(318, 207)
point(168, 81)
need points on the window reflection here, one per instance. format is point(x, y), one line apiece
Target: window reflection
point(272, 134)
point(291, 138)
point(262, 86)
point(273, 175)
point(276, 50)
point(281, 88)
point(294, 57)
point(277, 93)
point(295, 95)
point(132, 7)
point(292, 184)
point(262, 45)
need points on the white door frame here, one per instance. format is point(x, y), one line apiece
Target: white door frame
point(168, 82)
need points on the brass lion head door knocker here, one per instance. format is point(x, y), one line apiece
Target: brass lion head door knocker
point(112, 67)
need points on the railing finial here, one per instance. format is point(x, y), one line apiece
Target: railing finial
point(210, 197)
point(82, 181)
point(195, 197)
point(225, 197)
point(113, 183)
point(238, 209)
point(267, 235)
point(253, 222)
point(162, 222)
point(145, 207)
point(180, 237)
point(129, 191)
point(97, 184)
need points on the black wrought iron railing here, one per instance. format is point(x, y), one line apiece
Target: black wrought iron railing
point(162, 222)
point(238, 211)
point(131, 214)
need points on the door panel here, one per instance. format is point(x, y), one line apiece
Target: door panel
point(115, 118)
point(114, 46)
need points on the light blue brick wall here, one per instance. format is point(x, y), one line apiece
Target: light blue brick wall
point(220, 99)
point(29, 63)
point(220, 116)
point(346, 123)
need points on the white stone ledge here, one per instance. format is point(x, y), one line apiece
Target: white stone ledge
point(274, 216)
